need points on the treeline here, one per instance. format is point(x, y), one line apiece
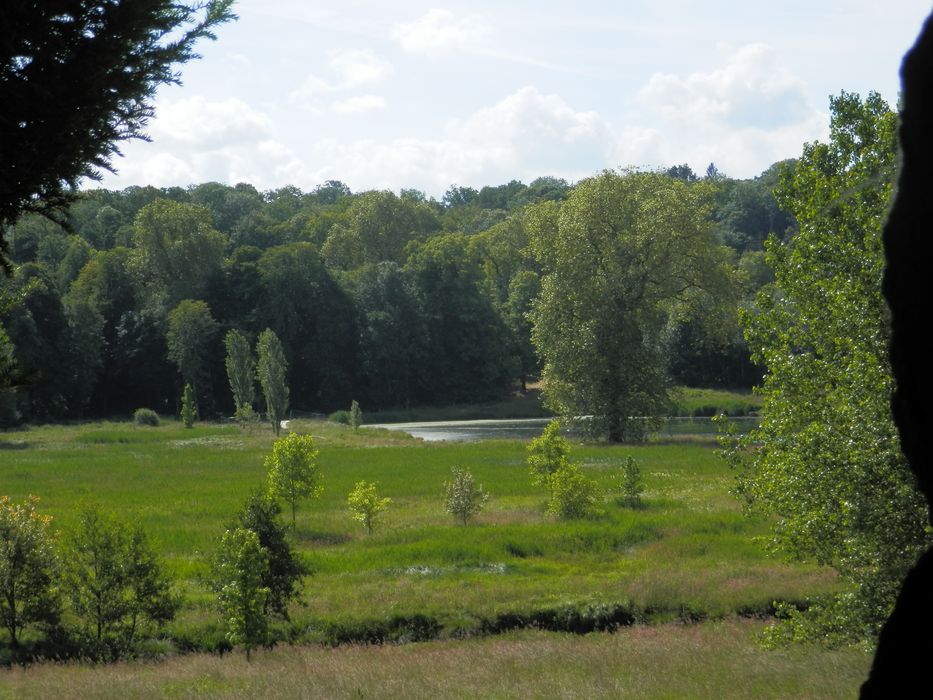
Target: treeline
point(391, 299)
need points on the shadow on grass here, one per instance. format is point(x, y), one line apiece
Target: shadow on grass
point(325, 538)
point(14, 445)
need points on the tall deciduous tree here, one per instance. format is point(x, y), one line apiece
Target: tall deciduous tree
point(393, 335)
point(464, 359)
point(313, 317)
point(826, 459)
point(619, 256)
point(78, 78)
point(177, 251)
point(273, 370)
point(190, 335)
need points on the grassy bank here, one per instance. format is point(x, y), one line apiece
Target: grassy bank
point(711, 402)
point(686, 402)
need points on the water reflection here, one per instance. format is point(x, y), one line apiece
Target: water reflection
point(471, 430)
point(527, 428)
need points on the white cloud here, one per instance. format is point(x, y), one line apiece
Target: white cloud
point(355, 68)
point(439, 32)
point(752, 88)
point(743, 115)
point(524, 135)
point(351, 70)
point(197, 140)
point(306, 94)
point(195, 121)
point(529, 129)
point(359, 104)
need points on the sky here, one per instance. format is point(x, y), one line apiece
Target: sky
point(423, 95)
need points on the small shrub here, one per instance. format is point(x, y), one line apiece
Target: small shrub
point(29, 569)
point(246, 417)
point(365, 506)
point(547, 454)
point(342, 417)
point(146, 416)
point(189, 408)
point(117, 586)
point(356, 416)
point(573, 494)
point(630, 484)
point(464, 497)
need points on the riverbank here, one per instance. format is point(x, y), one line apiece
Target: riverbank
point(686, 402)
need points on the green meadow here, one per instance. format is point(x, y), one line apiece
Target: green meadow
point(687, 555)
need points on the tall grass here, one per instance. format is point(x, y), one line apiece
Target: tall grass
point(711, 402)
point(714, 660)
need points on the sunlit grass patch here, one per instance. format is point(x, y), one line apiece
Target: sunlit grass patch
point(686, 553)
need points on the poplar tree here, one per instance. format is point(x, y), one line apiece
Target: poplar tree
point(241, 372)
point(273, 369)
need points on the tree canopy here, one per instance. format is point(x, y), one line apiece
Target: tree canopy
point(620, 256)
point(444, 320)
point(77, 78)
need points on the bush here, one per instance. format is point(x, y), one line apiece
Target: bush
point(630, 484)
point(365, 506)
point(117, 586)
point(246, 416)
point(547, 454)
point(340, 417)
point(464, 497)
point(29, 592)
point(356, 415)
point(573, 494)
point(146, 416)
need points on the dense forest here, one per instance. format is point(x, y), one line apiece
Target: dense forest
point(389, 299)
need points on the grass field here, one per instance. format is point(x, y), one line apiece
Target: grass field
point(687, 555)
point(709, 402)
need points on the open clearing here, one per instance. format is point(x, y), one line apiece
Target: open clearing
point(687, 555)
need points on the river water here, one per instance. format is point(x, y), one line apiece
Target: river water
point(471, 430)
point(527, 428)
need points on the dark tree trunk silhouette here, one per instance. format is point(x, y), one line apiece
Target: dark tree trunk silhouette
point(901, 666)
